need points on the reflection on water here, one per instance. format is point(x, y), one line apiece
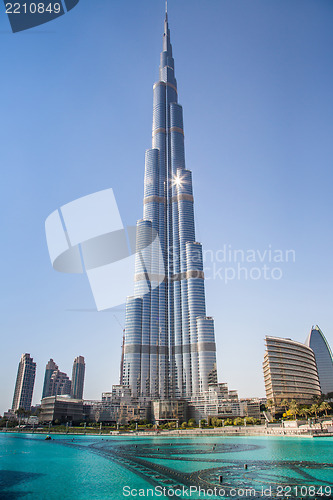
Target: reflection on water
point(10, 479)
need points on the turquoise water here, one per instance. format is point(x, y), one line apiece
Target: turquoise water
point(100, 468)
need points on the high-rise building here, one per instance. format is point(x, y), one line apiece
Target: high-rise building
point(59, 384)
point(79, 368)
point(324, 359)
point(290, 372)
point(50, 368)
point(169, 349)
point(25, 381)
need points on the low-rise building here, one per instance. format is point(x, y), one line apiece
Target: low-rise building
point(250, 408)
point(61, 408)
point(169, 410)
point(217, 401)
point(118, 406)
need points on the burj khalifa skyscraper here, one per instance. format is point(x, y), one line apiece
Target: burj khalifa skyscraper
point(169, 346)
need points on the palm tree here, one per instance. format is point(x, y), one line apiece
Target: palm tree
point(325, 407)
point(304, 412)
point(285, 404)
point(294, 408)
point(270, 404)
point(20, 412)
point(314, 409)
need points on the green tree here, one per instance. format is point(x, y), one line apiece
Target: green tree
point(270, 404)
point(285, 404)
point(238, 421)
point(191, 422)
point(314, 409)
point(213, 421)
point(326, 407)
point(294, 408)
point(37, 411)
point(20, 412)
point(3, 422)
point(304, 412)
point(216, 422)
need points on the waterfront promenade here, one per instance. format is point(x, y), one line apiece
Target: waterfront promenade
point(260, 430)
point(322, 429)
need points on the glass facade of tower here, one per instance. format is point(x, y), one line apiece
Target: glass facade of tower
point(50, 368)
point(79, 368)
point(324, 359)
point(169, 348)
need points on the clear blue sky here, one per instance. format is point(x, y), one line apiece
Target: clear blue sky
point(255, 79)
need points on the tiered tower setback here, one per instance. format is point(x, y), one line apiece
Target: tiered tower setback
point(169, 348)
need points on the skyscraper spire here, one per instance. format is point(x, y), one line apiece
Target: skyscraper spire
point(169, 349)
point(166, 36)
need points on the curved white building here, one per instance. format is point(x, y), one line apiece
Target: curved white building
point(290, 371)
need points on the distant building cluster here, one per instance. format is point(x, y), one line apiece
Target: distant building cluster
point(292, 371)
point(296, 371)
point(56, 383)
point(121, 406)
point(62, 400)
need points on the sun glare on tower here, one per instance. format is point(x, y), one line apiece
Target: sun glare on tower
point(178, 180)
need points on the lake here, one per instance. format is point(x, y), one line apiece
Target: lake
point(118, 467)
